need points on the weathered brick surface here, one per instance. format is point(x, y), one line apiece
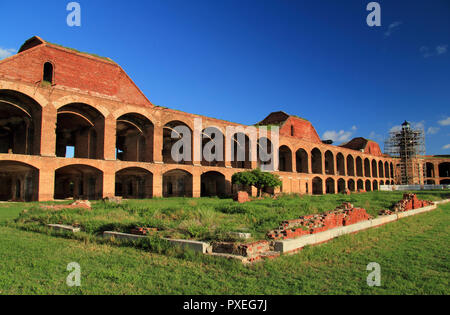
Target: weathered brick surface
point(250, 250)
point(143, 231)
point(409, 202)
point(342, 216)
point(242, 197)
point(79, 204)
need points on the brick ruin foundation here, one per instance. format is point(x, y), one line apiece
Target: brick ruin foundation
point(409, 202)
point(344, 215)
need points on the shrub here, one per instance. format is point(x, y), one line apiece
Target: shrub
point(258, 179)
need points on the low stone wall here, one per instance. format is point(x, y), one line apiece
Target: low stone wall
point(195, 246)
point(292, 245)
point(344, 215)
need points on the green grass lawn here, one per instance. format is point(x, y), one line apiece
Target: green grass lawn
point(413, 254)
point(207, 218)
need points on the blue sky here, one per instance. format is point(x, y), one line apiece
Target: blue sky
point(241, 60)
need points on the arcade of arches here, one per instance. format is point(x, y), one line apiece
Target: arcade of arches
point(57, 143)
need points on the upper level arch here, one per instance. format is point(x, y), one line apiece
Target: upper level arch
point(80, 131)
point(78, 99)
point(134, 138)
point(444, 169)
point(174, 150)
point(20, 123)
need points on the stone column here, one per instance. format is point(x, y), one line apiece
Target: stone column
point(109, 183)
point(46, 187)
point(158, 145)
point(228, 184)
point(157, 184)
point(324, 171)
point(47, 131)
point(345, 166)
point(196, 185)
point(294, 162)
point(109, 139)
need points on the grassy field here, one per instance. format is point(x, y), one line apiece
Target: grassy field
point(207, 218)
point(413, 254)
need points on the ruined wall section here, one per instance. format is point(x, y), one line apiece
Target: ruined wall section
point(74, 72)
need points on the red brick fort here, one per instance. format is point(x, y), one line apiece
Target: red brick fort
point(53, 99)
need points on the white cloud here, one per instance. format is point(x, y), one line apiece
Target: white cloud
point(354, 128)
point(6, 52)
point(338, 136)
point(395, 129)
point(429, 52)
point(418, 125)
point(374, 136)
point(392, 27)
point(414, 125)
point(441, 49)
point(445, 122)
point(433, 130)
point(446, 147)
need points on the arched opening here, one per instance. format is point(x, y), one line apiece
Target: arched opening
point(177, 183)
point(80, 132)
point(360, 185)
point(213, 147)
point(351, 185)
point(374, 168)
point(329, 185)
point(340, 162)
point(48, 73)
point(329, 163)
point(386, 170)
point(177, 143)
point(359, 167)
point(134, 183)
point(285, 159)
point(366, 168)
point(444, 169)
point(368, 185)
point(316, 161)
point(391, 168)
point(430, 170)
point(213, 184)
point(341, 186)
point(20, 124)
point(445, 182)
point(375, 185)
point(265, 154)
point(317, 186)
point(302, 161)
point(78, 182)
point(20, 182)
point(380, 169)
point(241, 151)
point(134, 138)
point(381, 183)
point(430, 182)
point(350, 166)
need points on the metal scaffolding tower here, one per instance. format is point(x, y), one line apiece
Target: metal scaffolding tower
point(408, 145)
